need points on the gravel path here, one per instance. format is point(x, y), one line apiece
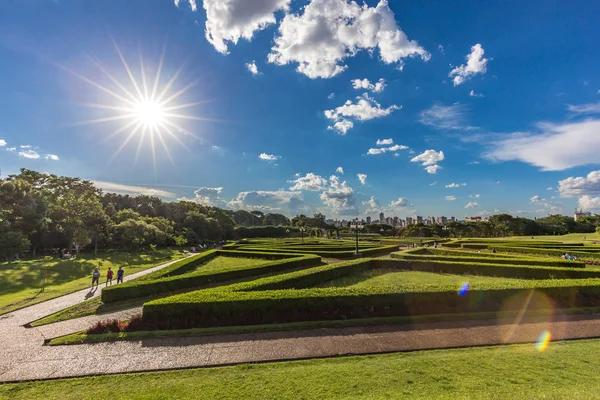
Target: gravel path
point(23, 356)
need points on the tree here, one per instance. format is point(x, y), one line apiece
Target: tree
point(12, 243)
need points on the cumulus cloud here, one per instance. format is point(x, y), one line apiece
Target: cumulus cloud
point(589, 108)
point(326, 32)
point(52, 157)
point(401, 202)
point(29, 153)
point(340, 170)
point(310, 182)
point(475, 196)
point(207, 196)
point(252, 67)
point(473, 94)
point(191, 3)
point(373, 205)
point(281, 201)
point(384, 142)
point(112, 187)
point(331, 95)
point(450, 198)
point(476, 64)
point(551, 147)
point(362, 178)
point(367, 85)
point(391, 149)
point(472, 204)
point(455, 185)
point(2, 143)
point(232, 20)
point(365, 108)
point(432, 169)
point(269, 157)
point(339, 197)
point(580, 186)
point(11, 149)
point(549, 188)
point(443, 117)
point(589, 203)
point(535, 199)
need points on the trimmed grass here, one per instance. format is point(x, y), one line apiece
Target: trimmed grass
point(392, 277)
point(21, 282)
point(566, 370)
point(222, 263)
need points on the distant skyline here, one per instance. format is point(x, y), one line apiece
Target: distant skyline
point(304, 106)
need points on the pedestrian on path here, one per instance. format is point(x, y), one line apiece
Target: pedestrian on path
point(120, 274)
point(109, 276)
point(96, 276)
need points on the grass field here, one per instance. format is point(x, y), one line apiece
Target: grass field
point(221, 263)
point(565, 370)
point(393, 277)
point(21, 282)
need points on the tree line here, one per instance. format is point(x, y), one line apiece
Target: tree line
point(42, 212)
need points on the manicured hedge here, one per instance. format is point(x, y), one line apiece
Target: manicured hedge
point(492, 260)
point(220, 308)
point(140, 288)
point(344, 253)
point(548, 252)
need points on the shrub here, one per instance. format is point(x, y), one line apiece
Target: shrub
point(491, 260)
point(111, 325)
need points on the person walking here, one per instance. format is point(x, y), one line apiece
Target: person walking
point(96, 276)
point(120, 274)
point(109, 276)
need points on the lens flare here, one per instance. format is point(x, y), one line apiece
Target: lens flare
point(463, 288)
point(543, 341)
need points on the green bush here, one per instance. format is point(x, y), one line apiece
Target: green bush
point(491, 260)
point(168, 283)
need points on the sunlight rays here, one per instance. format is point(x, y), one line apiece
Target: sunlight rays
point(147, 108)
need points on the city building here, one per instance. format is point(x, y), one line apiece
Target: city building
point(409, 221)
point(395, 221)
point(419, 219)
point(381, 218)
point(368, 220)
point(580, 214)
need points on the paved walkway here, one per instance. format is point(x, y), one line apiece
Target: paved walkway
point(23, 356)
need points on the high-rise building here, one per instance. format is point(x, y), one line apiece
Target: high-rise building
point(444, 220)
point(452, 219)
point(381, 218)
point(419, 219)
point(409, 221)
point(368, 220)
point(395, 221)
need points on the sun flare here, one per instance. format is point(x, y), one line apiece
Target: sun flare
point(148, 112)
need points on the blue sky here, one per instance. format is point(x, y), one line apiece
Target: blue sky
point(429, 108)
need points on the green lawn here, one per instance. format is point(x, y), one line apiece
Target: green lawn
point(393, 277)
point(225, 263)
point(565, 370)
point(21, 282)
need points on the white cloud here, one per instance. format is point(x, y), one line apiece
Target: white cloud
point(401, 202)
point(433, 169)
point(552, 147)
point(433, 183)
point(289, 203)
point(589, 203)
point(329, 31)
point(476, 64)
point(26, 146)
point(580, 186)
point(535, 199)
point(445, 117)
point(11, 148)
point(28, 153)
point(191, 3)
point(52, 157)
point(252, 67)
point(476, 196)
point(269, 157)
point(373, 205)
point(362, 178)
point(365, 84)
point(472, 204)
point(208, 197)
point(2, 143)
point(441, 49)
point(391, 149)
point(429, 160)
point(589, 108)
point(450, 198)
point(453, 185)
point(232, 20)
point(340, 170)
point(473, 163)
point(339, 197)
point(310, 182)
point(112, 187)
point(473, 94)
point(381, 142)
point(549, 188)
point(364, 109)
point(331, 95)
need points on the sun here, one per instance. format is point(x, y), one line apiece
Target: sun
point(150, 113)
point(145, 108)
